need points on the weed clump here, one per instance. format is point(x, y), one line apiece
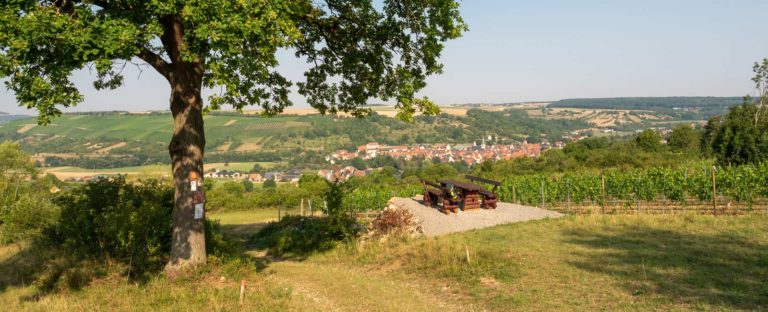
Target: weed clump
point(394, 222)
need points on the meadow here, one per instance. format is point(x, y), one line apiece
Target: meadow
point(612, 262)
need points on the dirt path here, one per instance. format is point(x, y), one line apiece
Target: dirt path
point(332, 288)
point(436, 223)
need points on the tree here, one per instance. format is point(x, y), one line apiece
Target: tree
point(269, 184)
point(355, 50)
point(358, 163)
point(736, 139)
point(247, 186)
point(648, 140)
point(741, 136)
point(684, 138)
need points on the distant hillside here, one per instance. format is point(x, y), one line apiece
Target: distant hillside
point(688, 108)
point(649, 103)
point(113, 139)
point(5, 117)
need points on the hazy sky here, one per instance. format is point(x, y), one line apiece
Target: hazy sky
point(549, 50)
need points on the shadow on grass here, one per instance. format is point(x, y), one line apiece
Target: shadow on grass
point(724, 270)
point(49, 270)
point(298, 237)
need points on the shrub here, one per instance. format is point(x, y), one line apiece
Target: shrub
point(25, 202)
point(302, 235)
point(394, 222)
point(126, 222)
point(119, 220)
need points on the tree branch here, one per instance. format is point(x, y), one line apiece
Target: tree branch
point(155, 61)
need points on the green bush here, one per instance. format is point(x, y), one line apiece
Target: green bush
point(302, 235)
point(118, 220)
point(25, 200)
point(127, 222)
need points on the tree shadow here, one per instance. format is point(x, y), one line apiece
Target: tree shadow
point(296, 238)
point(726, 270)
point(48, 270)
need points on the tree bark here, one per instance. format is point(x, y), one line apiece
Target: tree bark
point(186, 150)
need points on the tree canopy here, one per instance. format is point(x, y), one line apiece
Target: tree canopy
point(741, 136)
point(355, 49)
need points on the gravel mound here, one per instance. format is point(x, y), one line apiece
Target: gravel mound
point(436, 223)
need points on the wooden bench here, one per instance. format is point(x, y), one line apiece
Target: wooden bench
point(489, 197)
point(435, 193)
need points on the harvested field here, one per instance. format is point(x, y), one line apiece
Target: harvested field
point(435, 223)
point(26, 128)
point(231, 122)
point(111, 147)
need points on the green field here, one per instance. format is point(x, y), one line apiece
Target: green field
point(577, 263)
point(159, 169)
point(157, 128)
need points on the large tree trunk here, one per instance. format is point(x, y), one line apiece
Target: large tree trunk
point(186, 150)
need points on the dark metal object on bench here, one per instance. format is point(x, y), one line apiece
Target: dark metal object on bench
point(435, 193)
point(489, 197)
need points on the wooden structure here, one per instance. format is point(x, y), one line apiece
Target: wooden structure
point(489, 197)
point(468, 193)
point(435, 194)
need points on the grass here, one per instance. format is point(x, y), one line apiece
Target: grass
point(154, 170)
point(619, 262)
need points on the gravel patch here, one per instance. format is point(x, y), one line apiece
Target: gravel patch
point(435, 223)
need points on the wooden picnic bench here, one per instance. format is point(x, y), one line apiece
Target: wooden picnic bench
point(435, 193)
point(468, 193)
point(489, 197)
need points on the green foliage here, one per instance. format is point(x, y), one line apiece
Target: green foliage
point(649, 141)
point(743, 184)
point(25, 201)
point(231, 45)
point(300, 236)
point(126, 222)
point(270, 184)
point(116, 219)
point(685, 139)
point(439, 171)
point(740, 137)
point(358, 163)
point(690, 108)
point(247, 185)
point(591, 155)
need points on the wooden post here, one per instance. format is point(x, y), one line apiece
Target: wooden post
point(602, 177)
point(466, 248)
point(714, 193)
point(302, 207)
point(542, 193)
point(242, 291)
point(568, 192)
point(514, 194)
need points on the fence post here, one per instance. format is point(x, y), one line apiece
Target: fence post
point(568, 192)
point(714, 192)
point(637, 197)
point(302, 207)
point(542, 193)
point(514, 194)
point(602, 207)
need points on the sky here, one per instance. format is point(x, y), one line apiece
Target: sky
point(546, 50)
